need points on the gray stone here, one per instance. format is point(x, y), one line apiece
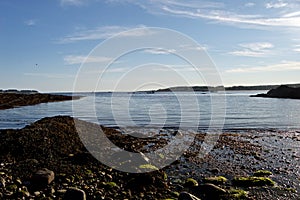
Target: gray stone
point(62, 191)
point(215, 170)
point(37, 193)
point(187, 196)
point(74, 194)
point(43, 176)
point(2, 182)
point(212, 189)
point(23, 193)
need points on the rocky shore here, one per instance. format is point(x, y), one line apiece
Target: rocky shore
point(47, 160)
point(17, 99)
point(283, 91)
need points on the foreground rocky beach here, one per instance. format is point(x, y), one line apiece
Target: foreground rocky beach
point(47, 160)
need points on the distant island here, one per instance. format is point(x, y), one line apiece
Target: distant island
point(15, 98)
point(282, 91)
point(217, 88)
point(14, 91)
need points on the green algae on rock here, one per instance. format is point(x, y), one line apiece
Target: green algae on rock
point(215, 180)
point(262, 173)
point(253, 181)
point(148, 166)
point(238, 193)
point(190, 182)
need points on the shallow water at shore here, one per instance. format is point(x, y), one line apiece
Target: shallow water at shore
point(164, 110)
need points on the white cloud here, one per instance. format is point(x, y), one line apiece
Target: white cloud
point(75, 59)
point(217, 12)
point(200, 47)
point(116, 70)
point(247, 53)
point(236, 19)
point(284, 66)
point(105, 32)
point(73, 2)
point(182, 68)
point(250, 4)
point(138, 32)
point(258, 49)
point(292, 14)
point(94, 34)
point(278, 4)
point(30, 22)
point(297, 48)
point(45, 75)
point(155, 4)
point(258, 46)
point(160, 51)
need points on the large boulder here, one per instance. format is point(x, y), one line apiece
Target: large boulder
point(187, 196)
point(43, 177)
point(74, 194)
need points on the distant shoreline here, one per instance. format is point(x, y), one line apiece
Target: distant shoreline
point(218, 88)
point(201, 89)
point(12, 99)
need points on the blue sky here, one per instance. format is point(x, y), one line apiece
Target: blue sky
point(43, 43)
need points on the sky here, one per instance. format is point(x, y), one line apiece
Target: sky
point(48, 45)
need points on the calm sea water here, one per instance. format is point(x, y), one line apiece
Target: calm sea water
point(167, 110)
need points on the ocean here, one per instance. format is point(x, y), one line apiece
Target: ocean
point(233, 111)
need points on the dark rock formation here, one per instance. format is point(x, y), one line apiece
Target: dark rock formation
point(43, 176)
point(16, 99)
point(74, 194)
point(187, 196)
point(282, 91)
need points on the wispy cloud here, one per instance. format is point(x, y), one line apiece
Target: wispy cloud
point(160, 51)
point(249, 4)
point(153, 5)
point(218, 12)
point(45, 75)
point(277, 4)
point(78, 59)
point(297, 48)
point(201, 47)
point(30, 22)
point(292, 14)
point(104, 32)
point(258, 49)
point(284, 66)
point(73, 2)
point(105, 70)
point(182, 68)
point(93, 34)
point(234, 18)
